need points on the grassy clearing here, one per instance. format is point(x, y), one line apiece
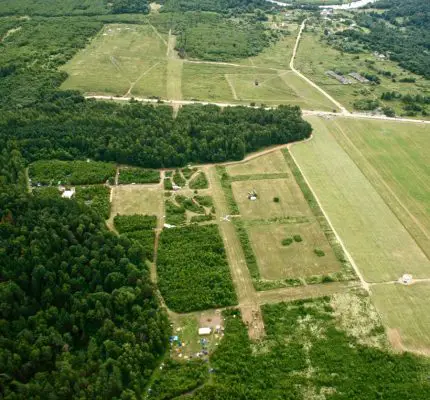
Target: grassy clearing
point(394, 157)
point(119, 58)
point(137, 199)
point(314, 58)
point(291, 201)
point(404, 310)
point(270, 163)
point(296, 260)
point(379, 244)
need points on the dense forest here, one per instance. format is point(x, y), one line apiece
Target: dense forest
point(220, 6)
point(79, 318)
point(402, 31)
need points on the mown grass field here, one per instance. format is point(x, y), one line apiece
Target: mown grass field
point(297, 259)
point(394, 158)
point(405, 312)
point(137, 60)
point(291, 201)
point(380, 245)
point(137, 199)
point(314, 58)
point(267, 164)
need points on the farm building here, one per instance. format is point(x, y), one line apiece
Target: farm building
point(343, 80)
point(358, 77)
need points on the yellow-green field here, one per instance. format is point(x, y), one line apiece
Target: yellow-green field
point(380, 245)
point(291, 202)
point(405, 312)
point(276, 261)
point(136, 60)
point(137, 199)
point(271, 163)
point(395, 159)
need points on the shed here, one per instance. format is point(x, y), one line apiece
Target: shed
point(205, 331)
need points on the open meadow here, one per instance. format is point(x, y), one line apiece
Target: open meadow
point(394, 158)
point(125, 60)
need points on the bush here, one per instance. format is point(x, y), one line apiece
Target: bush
point(201, 218)
point(276, 199)
point(297, 238)
point(189, 204)
point(287, 241)
point(145, 239)
point(136, 222)
point(168, 184)
point(319, 252)
point(138, 175)
point(199, 182)
point(193, 273)
point(178, 179)
point(188, 172)
point(175, 215)
point(205, 201)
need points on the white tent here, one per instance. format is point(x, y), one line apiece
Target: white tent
point(205, 331)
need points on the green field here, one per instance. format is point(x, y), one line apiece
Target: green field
point(404, 311)
point(271, 163)
point(137, 60)
point(380, 245)
point(315, 57)
point(394, 158)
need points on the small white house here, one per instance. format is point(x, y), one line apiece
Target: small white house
point(205, 331)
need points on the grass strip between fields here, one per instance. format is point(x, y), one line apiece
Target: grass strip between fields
point(226, 180)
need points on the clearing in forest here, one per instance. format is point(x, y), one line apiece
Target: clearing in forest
point(377, 241)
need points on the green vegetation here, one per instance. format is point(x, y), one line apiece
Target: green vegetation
point(177, 378)
point(319, 252)
point(178, 179)
point(201, 218)
point(76, 301)
point(145, 239)
point(96, 197)
point(297, 238)
point(193, 272)
point(250, 259)
point(167, 183)
point(55, 172)
point(308, 352)
point(136, 222)
point(276, 200)
point(227, 189)
point(287, 241)
point(205, 201)
point(188, 172)
point(219, 6)
point(175, 215)
point(199, 181)
point(137, 175)
point(189, 204)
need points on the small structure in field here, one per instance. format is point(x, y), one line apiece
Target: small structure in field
point(176, 187)
point(406, 279)
point(340, 78)
point(252, 195)
point(68, 194)
point(205, 331)
point(358, 77)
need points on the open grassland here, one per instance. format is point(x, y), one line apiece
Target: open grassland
point(137, 199)
point(405, 312)
point(295, 260)
point(291, 201)
point(267, 164)
point(121, 59)
point(395, 159)
point(315, 57)
point(380, 245)
point(137, 60)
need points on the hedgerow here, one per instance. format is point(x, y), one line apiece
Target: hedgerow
point(135, 222)
point(199, 181)
point(193, 273)
point(138, 175)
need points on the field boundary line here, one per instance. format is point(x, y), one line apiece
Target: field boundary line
point(348, 255)
point(133, 84)
point(233, 90)
point(387, 187)
point(158, 34)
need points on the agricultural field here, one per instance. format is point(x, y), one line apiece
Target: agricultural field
point(380, 244)
point(136, 199)
point(137, 60)
point(285, 241)
point(315, 57)
point(377, 241)
point(193, 273)
point(394, 158)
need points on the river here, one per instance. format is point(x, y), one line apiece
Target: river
point(347, 6)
